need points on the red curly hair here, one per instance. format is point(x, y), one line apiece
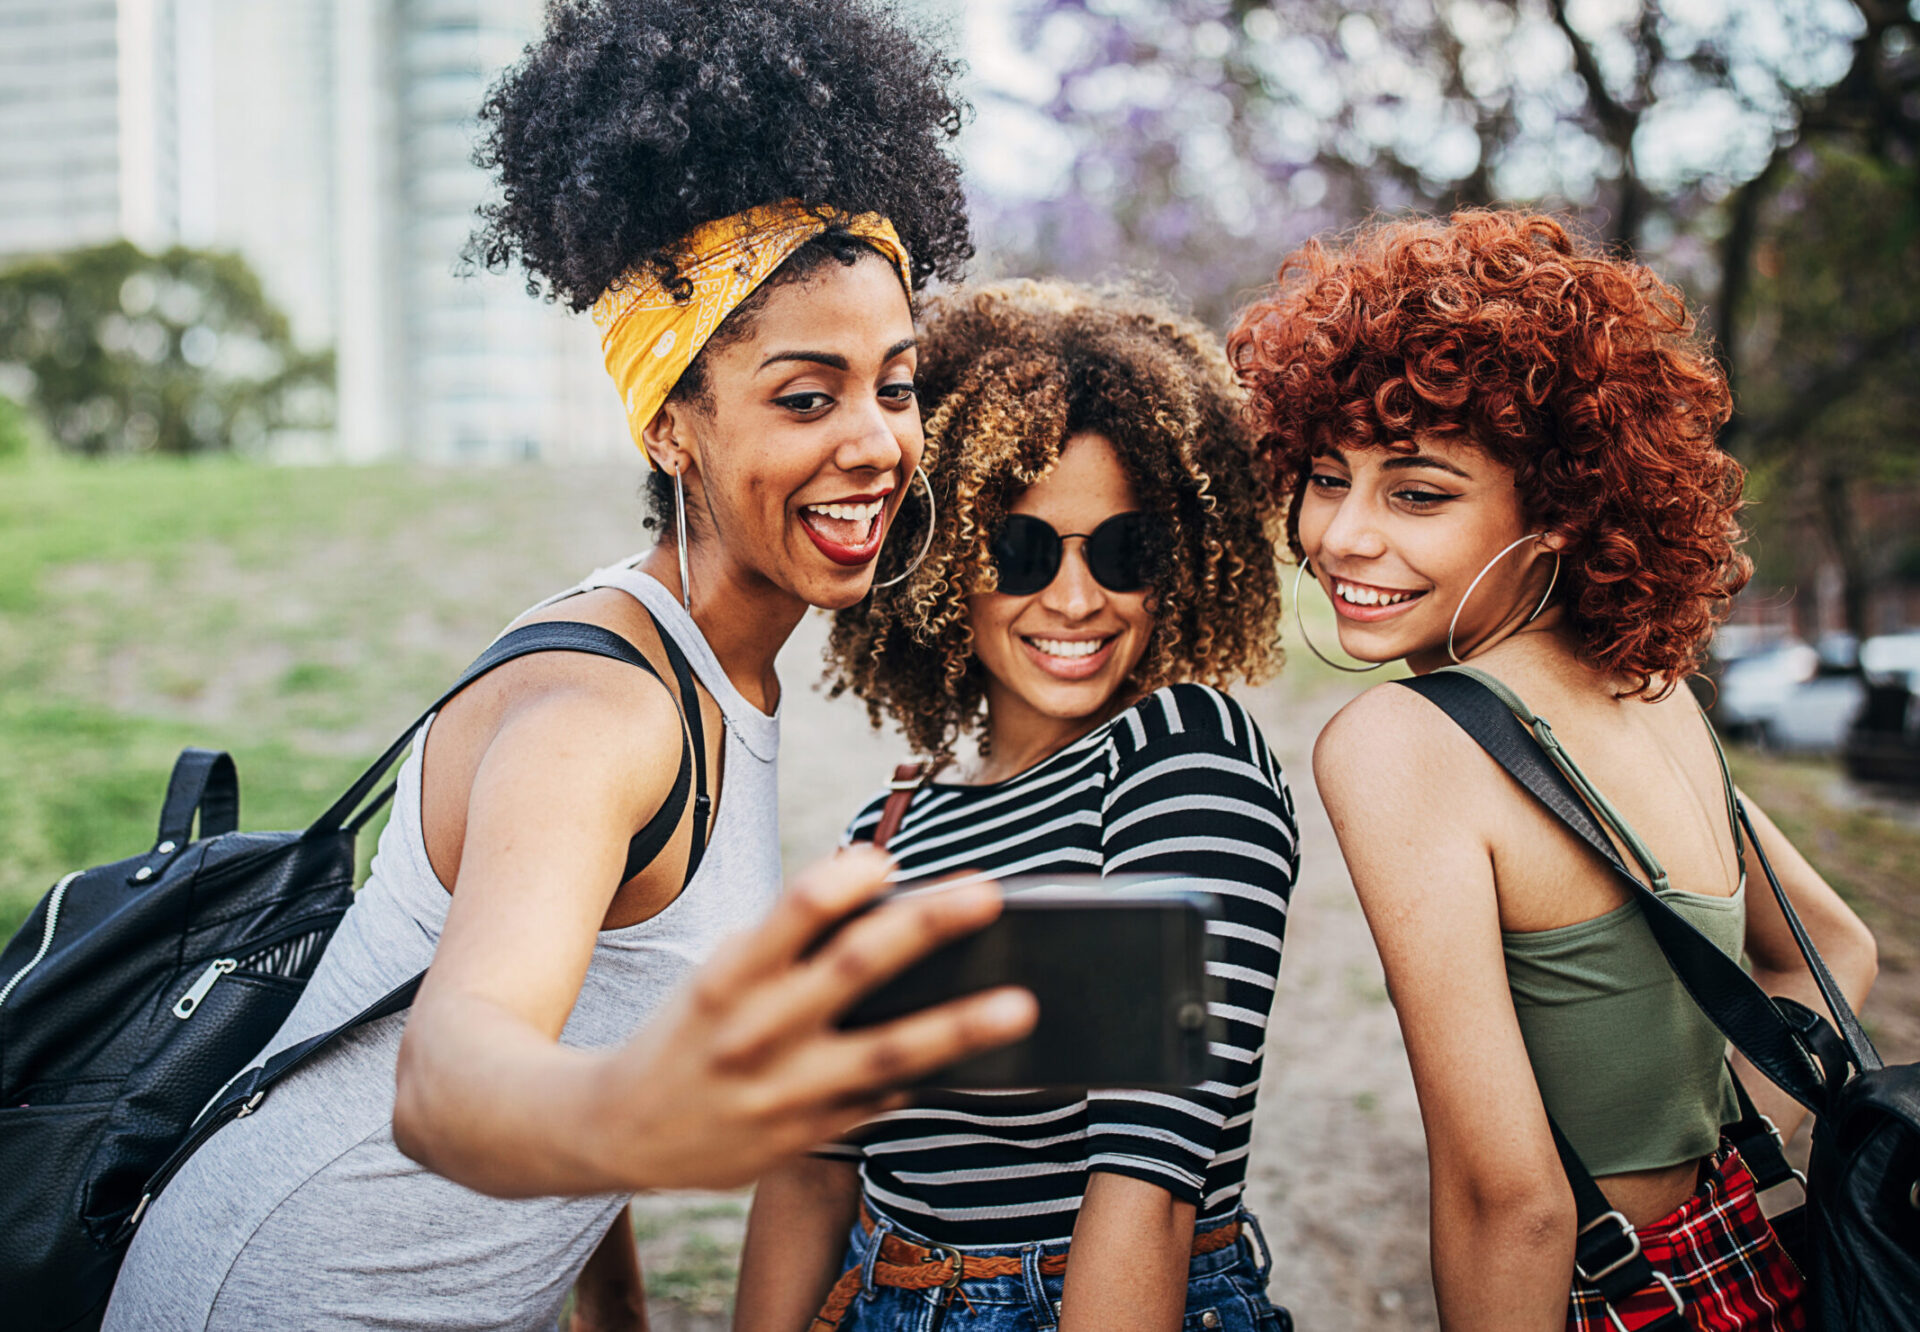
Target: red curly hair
point(1580, 371)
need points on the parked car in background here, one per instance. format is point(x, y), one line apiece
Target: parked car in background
point(1789, 695)
point(1883, 743)
point(1753, 686)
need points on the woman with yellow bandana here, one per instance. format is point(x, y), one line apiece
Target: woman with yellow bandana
point(745, 195)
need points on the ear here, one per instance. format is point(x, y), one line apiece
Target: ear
point(668, 439)
point(1554, 541)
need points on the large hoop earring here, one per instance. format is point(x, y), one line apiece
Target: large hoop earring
point(1551, 583)
point(1301, 621)
point(925, 546)
point(680, 535)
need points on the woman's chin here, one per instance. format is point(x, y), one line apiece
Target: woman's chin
point(834, 587)
point(1375, 649)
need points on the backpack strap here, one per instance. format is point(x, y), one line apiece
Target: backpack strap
point(908, 778)
point(1606, 1251)
point(546, 636)
point(1757, 1139)
point(651, 840)
point(204, 782)
point(244, 1093)
point(1860, 1047)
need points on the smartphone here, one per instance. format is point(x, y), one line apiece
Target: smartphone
point(1119, 966)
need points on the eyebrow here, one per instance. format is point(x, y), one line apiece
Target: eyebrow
point(1406, 460)
point(1403, 461)
point(832, 360)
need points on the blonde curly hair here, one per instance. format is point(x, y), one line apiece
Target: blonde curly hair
point(1009, 372)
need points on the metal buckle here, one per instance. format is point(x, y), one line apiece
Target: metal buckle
point(1660, 1280)
point(1627, 1232)
point(1781, 1142)
point(951, 1255)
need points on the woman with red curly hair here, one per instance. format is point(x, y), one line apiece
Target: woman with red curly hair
point(1499, 441)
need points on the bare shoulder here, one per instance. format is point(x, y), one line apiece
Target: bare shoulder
point(600, 718)
point(1389, 730)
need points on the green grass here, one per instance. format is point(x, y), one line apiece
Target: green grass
point(297, 617)
point(1871, 857)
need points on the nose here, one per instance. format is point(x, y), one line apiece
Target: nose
point(1074, 593)
point(1352, 532)
point(873, 441)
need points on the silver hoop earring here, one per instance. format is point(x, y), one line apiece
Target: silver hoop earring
point(926, 545)
point(1301, 621)
point(680, 535)
point(1551, 583)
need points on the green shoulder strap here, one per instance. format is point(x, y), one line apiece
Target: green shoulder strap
point(1602, 808)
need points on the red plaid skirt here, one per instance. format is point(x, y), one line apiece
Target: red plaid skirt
point(1723, 1259)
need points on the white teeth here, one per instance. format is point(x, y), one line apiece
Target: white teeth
point(856, 513)
point(1355, 595)
point(1060, 647)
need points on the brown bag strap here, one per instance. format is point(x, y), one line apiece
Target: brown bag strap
point(908, 778)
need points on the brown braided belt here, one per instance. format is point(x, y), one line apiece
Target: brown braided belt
point(909, 1266)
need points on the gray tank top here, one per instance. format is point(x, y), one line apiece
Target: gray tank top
point(305, 1214)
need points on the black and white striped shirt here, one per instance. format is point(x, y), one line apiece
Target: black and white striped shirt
point(1182, 783)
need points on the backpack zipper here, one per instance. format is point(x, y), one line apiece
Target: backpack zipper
point(189, 1001)
point(54, 899)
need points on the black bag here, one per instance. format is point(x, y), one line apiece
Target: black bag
point(1857, 1236)
point(136, 991)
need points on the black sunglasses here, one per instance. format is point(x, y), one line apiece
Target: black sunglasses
point(1027, 553)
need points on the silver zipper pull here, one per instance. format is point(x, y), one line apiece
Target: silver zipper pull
point(189, 1001)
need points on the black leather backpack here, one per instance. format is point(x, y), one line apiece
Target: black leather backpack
point(1857, 1236)
point(137, 991)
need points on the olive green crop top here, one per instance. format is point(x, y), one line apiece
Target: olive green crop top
point(1629, 1067)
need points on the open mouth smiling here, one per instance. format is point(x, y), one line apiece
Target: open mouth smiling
point(847, 531)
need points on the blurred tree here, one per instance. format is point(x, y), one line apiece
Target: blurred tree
point(1716, 137)
point(181, 352)
point(1830, 339)
point(18, 430)
point(1201, 125)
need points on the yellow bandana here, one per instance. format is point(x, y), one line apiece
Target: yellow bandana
point(650, 339)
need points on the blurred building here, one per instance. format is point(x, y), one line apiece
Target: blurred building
point(88, 123)
point(329, 142)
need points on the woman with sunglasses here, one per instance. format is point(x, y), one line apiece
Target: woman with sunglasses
point(1101, 563)
point(746, 195)
point(1499, 443)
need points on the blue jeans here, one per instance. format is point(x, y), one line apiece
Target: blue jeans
point(1226, 1291)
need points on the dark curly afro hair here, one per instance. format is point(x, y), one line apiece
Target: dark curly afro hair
point(633, 121)
point(1008, 374)
point(1580, 370)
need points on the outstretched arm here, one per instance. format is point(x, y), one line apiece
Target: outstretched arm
point(743, 1068)
point(1398, 780)
point(746, 1066)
